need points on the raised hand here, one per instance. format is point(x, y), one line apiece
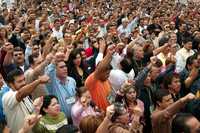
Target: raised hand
point(44, 79)
point(29, 122)
point(8, 47)
point(37, 103)
point(110, 111)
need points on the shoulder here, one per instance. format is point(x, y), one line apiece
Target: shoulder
point(91, 77)
point(9, 94)
point(71, 80)
point(91, 80)
point(9, 99)
point(140, 102)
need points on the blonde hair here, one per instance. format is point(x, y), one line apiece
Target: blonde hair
point(126, 87)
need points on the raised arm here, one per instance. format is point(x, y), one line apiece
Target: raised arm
point(191, 78)
point(171, 110)
point(9, 54)
point(160, 49)
point(40, 68)
point(48, 47)
point(29, 88)
point(105, 62)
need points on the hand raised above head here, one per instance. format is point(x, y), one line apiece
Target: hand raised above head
point(44, 79)
point(8, 47)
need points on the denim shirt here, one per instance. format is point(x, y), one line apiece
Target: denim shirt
point(4, 90)
point(65, 92)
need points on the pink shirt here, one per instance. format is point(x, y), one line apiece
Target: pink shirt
point(78, 112)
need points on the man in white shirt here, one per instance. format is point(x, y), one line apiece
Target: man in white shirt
point(183, 54)
point(126, 26)
point(16, 103)
point(57, 30)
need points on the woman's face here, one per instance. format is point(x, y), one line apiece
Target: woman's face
point(54, 108)
point(131, 95)
point(77, 61)
point(3, 33)
point(85, 98)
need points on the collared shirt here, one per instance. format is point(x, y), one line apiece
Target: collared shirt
point(65, 92)
point(181, 57)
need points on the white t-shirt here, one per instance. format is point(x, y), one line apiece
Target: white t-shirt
point(58, 34)
point(16, 111)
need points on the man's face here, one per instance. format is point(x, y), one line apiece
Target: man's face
point(17, 29)
point(71, 27)
point(195, 63)
point(61, 70)
point(35, 50)
point(104, 75)
point(18, 57)
point(188, 46)
point(173, 39)
point(125, 23)
point(166, 101)
point(194, 125)
point(155, 71)
point(57, 24)
point(19, 82)
point(172, 25)
point(26, 35)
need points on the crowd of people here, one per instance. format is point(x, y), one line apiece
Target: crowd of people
point(100, 66)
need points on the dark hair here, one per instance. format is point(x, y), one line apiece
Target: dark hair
point(72, 57)
point(56, 20)
point(18, 49)
point(31, 60)
point(80, 91)
point(158, 63)
point(46, 102)
point(187, 39)
point(159, 94)
point(190, 59)
point(126, 65)
point(179, 123)
point(168, 79)
point(12, 74)
point(163, 40)
point(25, 29)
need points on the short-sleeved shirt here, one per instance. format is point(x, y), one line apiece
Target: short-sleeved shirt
point(15, 111)
point(99, 91)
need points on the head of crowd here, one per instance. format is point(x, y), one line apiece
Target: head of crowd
point(100, 66)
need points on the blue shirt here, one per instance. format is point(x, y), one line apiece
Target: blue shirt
point(65, 92)
point(4, 90)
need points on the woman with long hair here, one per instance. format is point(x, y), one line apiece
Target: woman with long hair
point(76, 67)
